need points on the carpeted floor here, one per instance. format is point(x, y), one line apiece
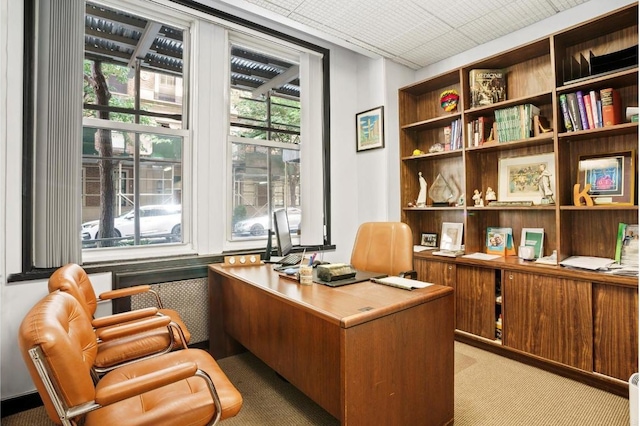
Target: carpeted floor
point(489, 391)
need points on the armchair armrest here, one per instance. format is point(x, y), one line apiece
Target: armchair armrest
point(109, 320)
point(130, 291)
point(124, 292)
point(131, 328)
point(410, 274)
point(141, 384)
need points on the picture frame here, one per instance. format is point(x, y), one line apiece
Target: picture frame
point(533, 237)
point(451, 236)
point(611, 175)
point(518, 178)
point(370, 129)
point(429, 239)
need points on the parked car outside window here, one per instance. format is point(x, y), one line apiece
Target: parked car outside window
point(257, 226)
point(155, 221)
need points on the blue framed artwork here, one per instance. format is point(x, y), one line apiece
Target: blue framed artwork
point(370, 129)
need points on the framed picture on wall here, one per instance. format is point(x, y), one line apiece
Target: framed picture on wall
point(370, 129)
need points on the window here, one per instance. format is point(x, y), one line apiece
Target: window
point(133, 129)
point(130, 144)
point(264, 138)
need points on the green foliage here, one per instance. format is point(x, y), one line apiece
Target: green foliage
point(239, 213)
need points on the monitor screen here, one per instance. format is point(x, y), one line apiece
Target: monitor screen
point(283, 232)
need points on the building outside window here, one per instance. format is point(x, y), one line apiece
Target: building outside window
point(134, 130)
point(264, 138)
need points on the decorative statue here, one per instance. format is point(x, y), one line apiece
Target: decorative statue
point(477, 198)
point(544, 185)
point(422, 195)
point(490, 195)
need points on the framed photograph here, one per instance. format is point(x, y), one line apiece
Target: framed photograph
point(429, 240)
point(533, 237)
point(611, 177)
point(370, 129)
point(451, 238)
point(529, 178)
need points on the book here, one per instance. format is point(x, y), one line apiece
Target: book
point(587, 107)
point(595, 97)
point(564, 107)
point(574, 111)
point(487, 86)
point(582, 109)
point(400, 282)
point(611, 107)
point(627, 245)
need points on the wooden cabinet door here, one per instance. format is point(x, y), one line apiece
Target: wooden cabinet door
point(615, 322)
point(548, 317)
point(441, 273)
point(475, 300)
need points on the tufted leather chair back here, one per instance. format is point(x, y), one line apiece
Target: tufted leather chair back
point(72, 278)
point(59, 326)
point(385, 247)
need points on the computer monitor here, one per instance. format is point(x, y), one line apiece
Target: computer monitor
point(283, 233)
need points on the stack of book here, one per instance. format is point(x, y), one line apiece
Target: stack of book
point(515, 122)
point(594, 109)
point(453, 136)
point(480, 131)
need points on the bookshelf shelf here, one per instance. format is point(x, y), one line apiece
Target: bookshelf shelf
point(537, 74)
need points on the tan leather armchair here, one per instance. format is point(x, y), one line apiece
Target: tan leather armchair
point(385, 247)
point(58, 345)
point(118, 343)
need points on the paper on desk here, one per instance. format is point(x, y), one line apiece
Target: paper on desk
point(482, 256)
point(400, 282)
point(591, 263)
point(418, 249)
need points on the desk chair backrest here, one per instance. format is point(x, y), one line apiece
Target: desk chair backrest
point(72, 278)
point(61, 330)
point(385, 247)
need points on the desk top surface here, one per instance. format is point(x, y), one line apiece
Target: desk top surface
point(347, 305)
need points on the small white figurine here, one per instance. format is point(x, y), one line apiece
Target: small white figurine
point(477, 198)
point(422, 196)
point(490, 195)
point(544, 185)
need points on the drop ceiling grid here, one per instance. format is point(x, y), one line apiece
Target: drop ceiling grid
point(430, 29)
point(439, 48)
point(459, 12)
point(416, 33)
point(506, 20)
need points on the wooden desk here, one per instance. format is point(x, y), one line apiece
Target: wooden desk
point(366, 353)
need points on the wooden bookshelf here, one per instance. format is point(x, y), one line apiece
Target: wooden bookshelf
point(551, 316)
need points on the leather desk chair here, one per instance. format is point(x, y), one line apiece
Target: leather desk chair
point(73, 279)
point(385, 247)
point(185, 387)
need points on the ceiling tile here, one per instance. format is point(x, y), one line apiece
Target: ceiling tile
point(416, 33)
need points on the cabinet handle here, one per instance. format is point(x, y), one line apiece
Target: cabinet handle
point(450, 267)
point(510, 276)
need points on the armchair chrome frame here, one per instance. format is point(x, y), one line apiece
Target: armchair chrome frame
point(68, 414)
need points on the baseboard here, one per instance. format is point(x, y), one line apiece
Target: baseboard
point(21, 403)
point(32, 400)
